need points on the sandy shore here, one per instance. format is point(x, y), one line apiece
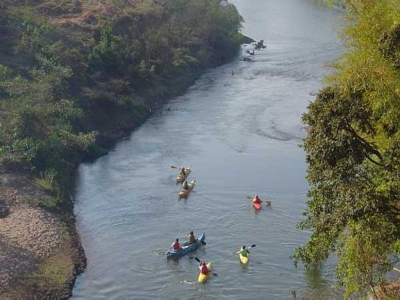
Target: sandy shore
point(34, 243)
point(27, 235)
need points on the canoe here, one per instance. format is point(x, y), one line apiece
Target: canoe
point(184, 193)
point(203, 278)
point(181, 178)
point(257, 206)
point(187, 248)
point(243, 259)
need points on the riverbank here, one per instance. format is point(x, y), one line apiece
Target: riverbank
point(40, 250)
point(91, 73)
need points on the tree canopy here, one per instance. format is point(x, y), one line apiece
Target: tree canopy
point(74, 74)
point(353, 152)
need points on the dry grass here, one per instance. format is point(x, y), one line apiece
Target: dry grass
point(388, 292)
point(55, 272)
point(52, 278)
point(89, 12)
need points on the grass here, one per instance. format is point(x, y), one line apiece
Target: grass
point(45, 202)
point(55, 273)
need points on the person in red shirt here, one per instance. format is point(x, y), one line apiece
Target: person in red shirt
point(176, 246)
point(203, 268)
point(256, 199)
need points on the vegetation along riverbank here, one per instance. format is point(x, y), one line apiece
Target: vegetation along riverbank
point(353, 156)
point(76, 76)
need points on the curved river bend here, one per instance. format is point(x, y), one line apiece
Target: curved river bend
point(241, 134)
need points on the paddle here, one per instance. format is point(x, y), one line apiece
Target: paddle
point(267, 202)
point(252, 246)
point(175, 167)
point(196, 258)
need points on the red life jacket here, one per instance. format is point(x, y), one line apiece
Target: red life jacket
point(256, 200)
point(204, 269)
point(176, 246)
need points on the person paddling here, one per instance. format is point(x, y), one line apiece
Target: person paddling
point(256, 199)
point(191, 238)
point(185, 185)
point(243, 251)
point(203, 268)
point(176, 246)
point(183, 171)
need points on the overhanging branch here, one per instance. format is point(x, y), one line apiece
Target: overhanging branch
point(368, 147)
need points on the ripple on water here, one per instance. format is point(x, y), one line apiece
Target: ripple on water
point(240, 133)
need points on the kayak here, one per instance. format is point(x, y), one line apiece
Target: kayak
point(203, 278)
point(243, 259)
point(181, 178)
point(184, 193)
point(187, 248)
point(257, 206)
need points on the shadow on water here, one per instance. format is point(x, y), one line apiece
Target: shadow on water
point(317, 287)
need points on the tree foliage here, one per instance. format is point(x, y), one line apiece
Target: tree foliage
point(36, 123)
point(73, 73)
point(353, 152)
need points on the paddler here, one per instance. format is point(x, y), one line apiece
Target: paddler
point(243, 251)
point(191, 238)
point(176, 246)
point(256, 199)
point(185, 185)
point(203, 268)
point(183, 171)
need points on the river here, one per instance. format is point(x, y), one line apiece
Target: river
point(241, 133)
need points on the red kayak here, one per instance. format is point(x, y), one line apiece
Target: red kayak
point(257, 206)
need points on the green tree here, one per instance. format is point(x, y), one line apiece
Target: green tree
point(353, 152)
point(36, 123)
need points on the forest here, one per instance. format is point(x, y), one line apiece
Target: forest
point(75, 75)
point(353, 153)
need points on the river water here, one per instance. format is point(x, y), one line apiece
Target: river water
point(241, 134)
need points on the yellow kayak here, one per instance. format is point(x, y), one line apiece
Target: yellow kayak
point(184, 193)
point(243, 259)
point(181, 178)
point(203, 278)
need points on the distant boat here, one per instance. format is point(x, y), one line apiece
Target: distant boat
point(259, 45)
point(247, 52)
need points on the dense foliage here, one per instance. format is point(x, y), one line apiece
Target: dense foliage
point(72, 73)
point(353, 152)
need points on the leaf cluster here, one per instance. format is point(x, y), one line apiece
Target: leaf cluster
point(72, 72)
point(353, 152)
